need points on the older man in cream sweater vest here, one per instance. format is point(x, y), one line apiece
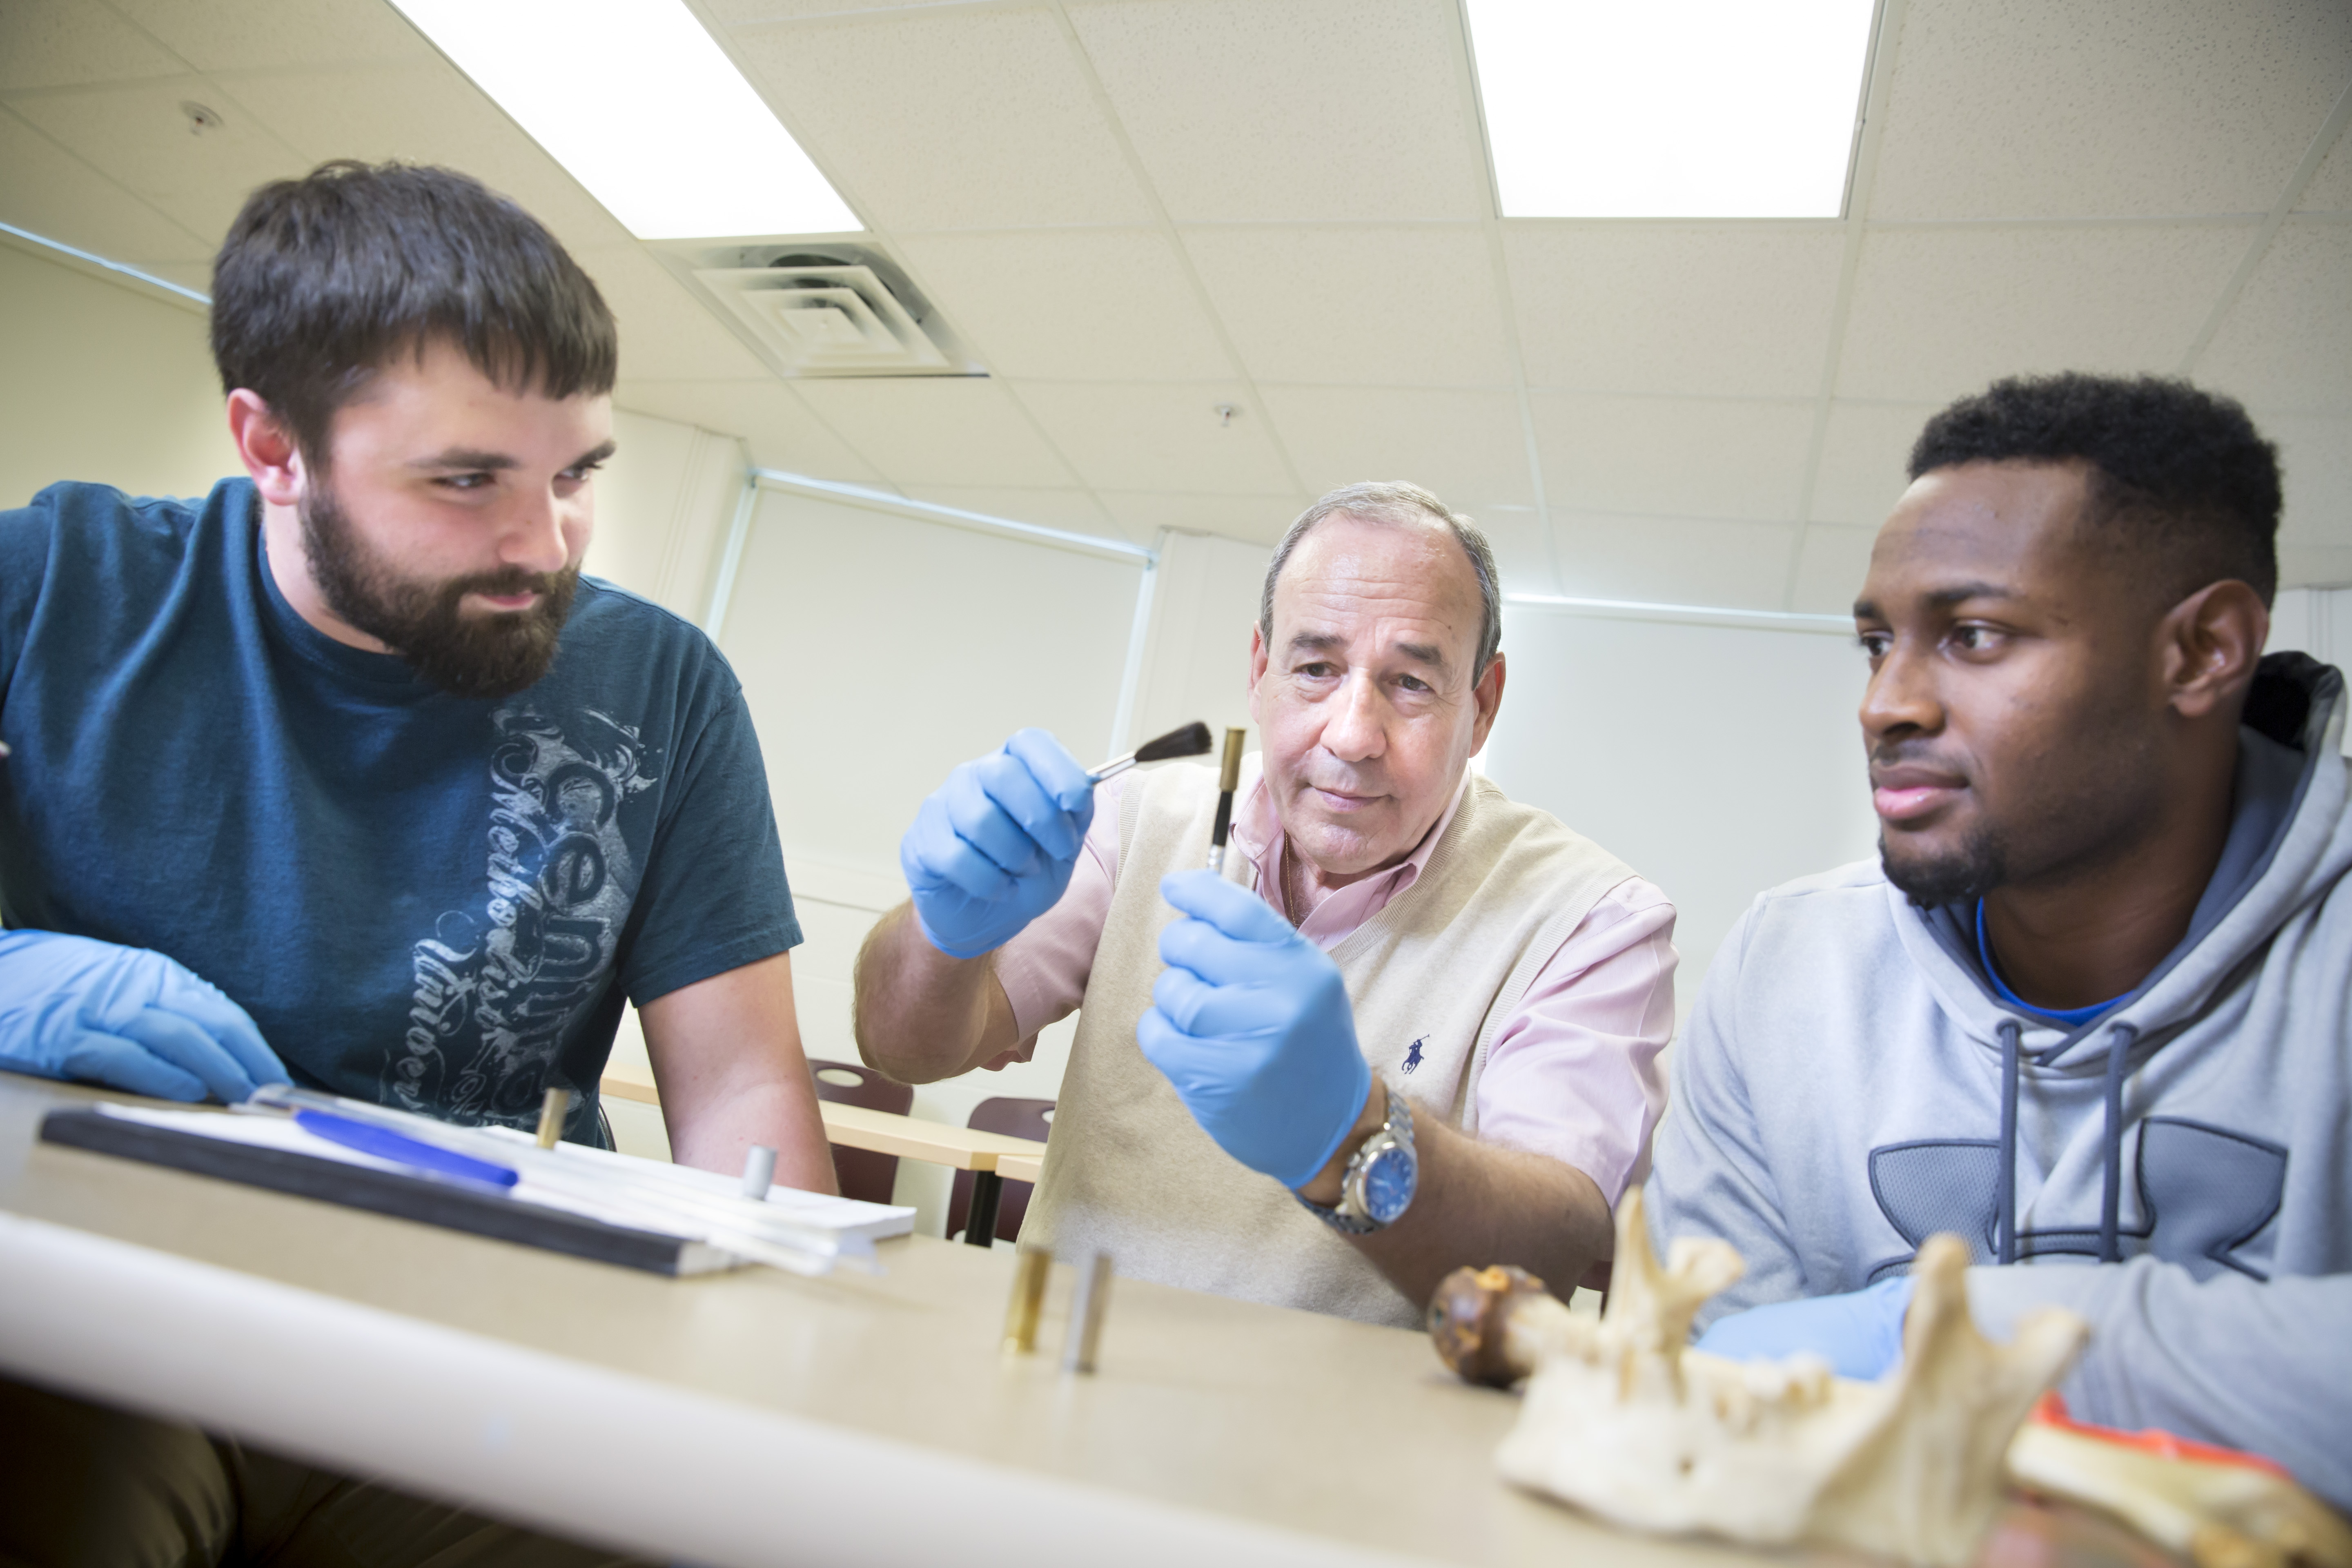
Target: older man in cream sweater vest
point(1424, 1035)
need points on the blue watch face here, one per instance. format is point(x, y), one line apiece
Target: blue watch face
point(1388, 1182)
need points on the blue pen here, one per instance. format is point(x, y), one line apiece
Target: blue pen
point(415, 1152)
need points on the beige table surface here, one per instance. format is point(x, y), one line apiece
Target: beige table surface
point(758, 1417)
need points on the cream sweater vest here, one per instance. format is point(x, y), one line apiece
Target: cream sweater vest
point(1442, 967)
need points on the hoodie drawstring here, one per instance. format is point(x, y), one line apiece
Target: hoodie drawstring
point(2005, 1224)
point(2111, 1190)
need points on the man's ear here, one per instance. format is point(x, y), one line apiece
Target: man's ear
point(1257, 662)
point(2209, 643)
point(1488, 695)
point(267, 447)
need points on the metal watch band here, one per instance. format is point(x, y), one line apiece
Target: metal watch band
point(1348, 1217)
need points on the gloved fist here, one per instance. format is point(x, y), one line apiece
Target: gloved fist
point(1251, 1023)
point(123, 1016)
point(992, 848)
point(1860, 1334)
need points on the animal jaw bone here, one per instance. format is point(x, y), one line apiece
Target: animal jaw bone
point(1623, 1420)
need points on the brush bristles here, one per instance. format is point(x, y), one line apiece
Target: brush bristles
point(1191, 741)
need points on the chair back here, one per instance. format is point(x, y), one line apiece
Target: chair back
point(862, 1173)
point(1014, 1118)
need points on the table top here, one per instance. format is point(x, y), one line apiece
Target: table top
point(1021, 1167)
point(885, 1132)
point(755, 1416)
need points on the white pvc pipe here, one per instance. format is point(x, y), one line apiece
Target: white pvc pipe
point(561, 1444)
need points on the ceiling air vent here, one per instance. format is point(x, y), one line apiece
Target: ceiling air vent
point(824, 309)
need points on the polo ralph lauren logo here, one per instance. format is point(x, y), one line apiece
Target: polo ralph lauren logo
point(1413, 1055)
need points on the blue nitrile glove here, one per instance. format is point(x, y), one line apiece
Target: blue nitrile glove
point(125, 1017)
point(992, 848)
point(1251, 1023)
point(1860, 1334)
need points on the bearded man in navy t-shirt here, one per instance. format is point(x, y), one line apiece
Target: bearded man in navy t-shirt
point(344, 774)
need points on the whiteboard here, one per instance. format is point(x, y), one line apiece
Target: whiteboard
point(1717, 761)
point(878, 651)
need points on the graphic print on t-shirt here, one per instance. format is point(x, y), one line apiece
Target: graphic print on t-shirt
point(498, 982)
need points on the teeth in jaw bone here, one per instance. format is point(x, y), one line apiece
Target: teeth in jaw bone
point(1623, 1420)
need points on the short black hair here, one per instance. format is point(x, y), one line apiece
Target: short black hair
point(2179, 474)
point(323, 280)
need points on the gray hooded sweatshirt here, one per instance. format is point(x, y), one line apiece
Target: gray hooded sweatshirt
point(2177, 1170)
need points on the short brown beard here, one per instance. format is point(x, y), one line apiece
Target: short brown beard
point(493, 654)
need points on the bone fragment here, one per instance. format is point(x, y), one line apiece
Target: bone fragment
point(1498, 1325)
point(1622, 1419)
point(2218, 1515)
point(1494, 1325)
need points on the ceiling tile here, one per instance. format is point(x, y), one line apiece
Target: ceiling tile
point(1158, 437)
point(736, 12)
point(1393, 307)
point(1308, 112)
point(1864, 455)
point(1831, 566)
point(773, 424)
point(1724, 310)
point(1939, 312)
point(1523, 551)
point(2288, 341)
point(1468, 447)
point(1077, 510)
point(249, 35)
point(2330, 190)
point(1672, 456)
point(49, 191)
point(667, 334)
point(950, 119)
point(1260, 519)
point(2109, 108)
point(69, 43)
point(137, 136)
point(2316, 465)
point(1093, 304)
point(937, 430)
point(1674, 560)
point(426, 112)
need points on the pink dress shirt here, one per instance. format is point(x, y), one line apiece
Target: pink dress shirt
point(1574, 1072)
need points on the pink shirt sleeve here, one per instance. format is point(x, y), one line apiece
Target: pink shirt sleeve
point(1045, 969)
point(1574, 1073)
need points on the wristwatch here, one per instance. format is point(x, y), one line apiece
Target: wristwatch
point(1381, 1179)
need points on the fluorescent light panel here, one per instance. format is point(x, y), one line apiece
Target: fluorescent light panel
point(1693, 109)
point(645, 109)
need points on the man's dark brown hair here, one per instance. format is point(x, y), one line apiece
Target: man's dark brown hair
point(323, 280)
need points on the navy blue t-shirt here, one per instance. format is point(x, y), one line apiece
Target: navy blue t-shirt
point(433, 901)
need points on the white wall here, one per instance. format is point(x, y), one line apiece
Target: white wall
point(104, 381)
point(1205, 600)
point(663, 504)
point(877, 650)
point(1717, 761)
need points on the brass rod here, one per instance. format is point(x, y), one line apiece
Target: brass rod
point(551, 1112)
point(1029, 1274)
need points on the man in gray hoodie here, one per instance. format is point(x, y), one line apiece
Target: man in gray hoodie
point(2088, 1011)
